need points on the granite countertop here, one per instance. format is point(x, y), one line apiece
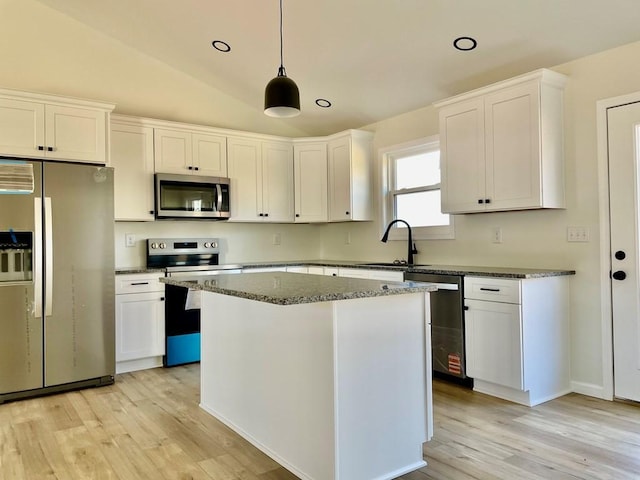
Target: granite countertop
point(283, 288)
point(480, 271)
point(132, 270)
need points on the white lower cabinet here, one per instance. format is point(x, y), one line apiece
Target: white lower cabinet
point(383, 275)
point(140, 339)
point(517, 337)
point(263, 269)
point(298, 269)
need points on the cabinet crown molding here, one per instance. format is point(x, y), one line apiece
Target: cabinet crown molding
point(7, 93)
point(544, 75)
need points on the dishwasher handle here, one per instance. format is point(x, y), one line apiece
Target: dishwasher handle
point(447, 286)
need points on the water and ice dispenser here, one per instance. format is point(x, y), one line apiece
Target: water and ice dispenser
point(16, 257)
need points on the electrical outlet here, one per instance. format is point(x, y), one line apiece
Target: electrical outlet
point(276, 239)
point(129, 239)
point(497, 235)
point(578, 234)
point(347, 239)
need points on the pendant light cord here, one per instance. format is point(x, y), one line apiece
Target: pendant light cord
point(281, 71)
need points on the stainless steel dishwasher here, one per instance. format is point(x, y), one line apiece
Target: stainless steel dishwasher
point(447, 325)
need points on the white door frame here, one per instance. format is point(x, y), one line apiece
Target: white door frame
point(606, 309)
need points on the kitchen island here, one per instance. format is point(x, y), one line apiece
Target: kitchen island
point(329, 376)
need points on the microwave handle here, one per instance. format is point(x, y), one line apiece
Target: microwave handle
point(218, 204)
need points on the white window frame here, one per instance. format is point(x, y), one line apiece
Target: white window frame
point(386, 155)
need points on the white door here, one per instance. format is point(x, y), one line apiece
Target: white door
point(244, 164)
point(624, 171)
point(210, 154)
point(310, 172)
point(277, 182)
point(75, 134)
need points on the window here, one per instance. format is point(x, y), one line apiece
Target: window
point(412, 190)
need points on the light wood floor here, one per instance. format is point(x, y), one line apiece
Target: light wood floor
point(149, 426)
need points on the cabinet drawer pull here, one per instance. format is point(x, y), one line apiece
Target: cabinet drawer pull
point(489, 289)
point(139, 283)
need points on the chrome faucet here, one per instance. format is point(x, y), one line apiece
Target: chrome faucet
point(411, 250)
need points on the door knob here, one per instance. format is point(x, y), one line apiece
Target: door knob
point(620, 255)
point(619, 275)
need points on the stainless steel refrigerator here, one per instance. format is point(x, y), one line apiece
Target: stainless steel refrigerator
point(57, 325)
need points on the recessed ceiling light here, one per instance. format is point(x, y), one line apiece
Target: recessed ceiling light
point(221, 46)
point(465, 43)
point(323, 103)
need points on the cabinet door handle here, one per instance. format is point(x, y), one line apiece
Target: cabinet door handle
point(190, 167)
point(41, 147)
point(297, 214)
point(487, 200)
point(347, 213)
point(151, 212)
point(261, 214)
point(162, 299)
point(139, 283)
point(266, 214)
point(196, 168)
point(480, 200)
point(50, 149)
point(465, 308)
point(489, 289)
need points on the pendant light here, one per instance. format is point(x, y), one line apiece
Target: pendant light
point(281, 96)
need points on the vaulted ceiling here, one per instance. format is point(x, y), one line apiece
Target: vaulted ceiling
point(372, 59)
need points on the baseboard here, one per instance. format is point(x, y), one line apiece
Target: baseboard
point(138, 364)
point(589, 389)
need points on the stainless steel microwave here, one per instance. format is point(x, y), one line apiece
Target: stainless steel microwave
point(191, 197)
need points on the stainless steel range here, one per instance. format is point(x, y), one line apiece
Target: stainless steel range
point(184, 257)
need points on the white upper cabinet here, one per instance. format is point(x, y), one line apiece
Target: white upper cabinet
point(56, 128)
point(132, 159)
point(310, 177)
point(261, 174)
point(502, 146)
point(349, 156)
point(186, 152)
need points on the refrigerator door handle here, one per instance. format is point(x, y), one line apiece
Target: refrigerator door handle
point(37, 257)
point(48, 257)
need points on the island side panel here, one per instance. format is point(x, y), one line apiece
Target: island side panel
point(382, 385)
point(267, 372)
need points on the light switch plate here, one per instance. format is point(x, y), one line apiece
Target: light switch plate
point(129, 239)
point(497, 235)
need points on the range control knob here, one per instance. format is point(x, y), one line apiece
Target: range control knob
point(154, 245)
point(163, 245)
point(206, 244)
point(214, 244)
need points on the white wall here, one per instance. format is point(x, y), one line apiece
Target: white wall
point(42, 50)
point(530, 238)
point(45, 51)
point(238, 242)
